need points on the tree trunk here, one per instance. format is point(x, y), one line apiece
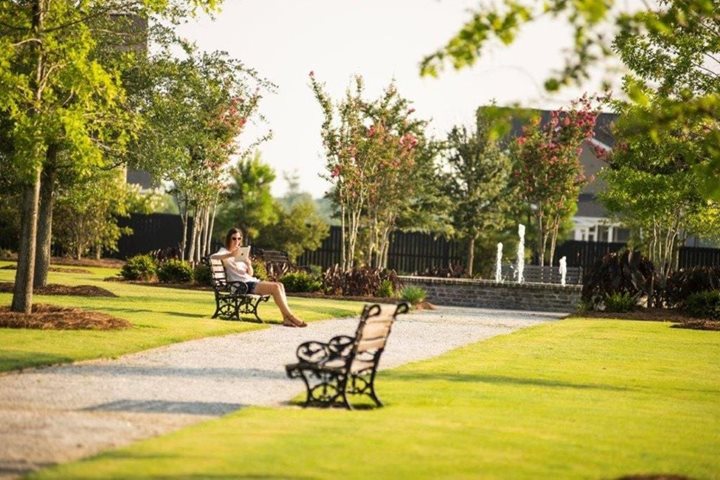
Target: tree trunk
point(553, 240)
point(343, 236)
point(44, 232)
point(193, 237)
point(183, 240)
point(471, 255)
point(540, 239)
point(22, 293)
point(23, 290)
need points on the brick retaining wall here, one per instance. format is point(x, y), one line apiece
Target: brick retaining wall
point(488, 294)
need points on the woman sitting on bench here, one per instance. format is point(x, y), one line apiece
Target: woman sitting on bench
point(241, 270)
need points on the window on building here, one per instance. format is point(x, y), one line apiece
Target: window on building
point(622, 235)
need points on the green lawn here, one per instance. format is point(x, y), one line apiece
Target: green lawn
point(159, 316)
point(571, 399)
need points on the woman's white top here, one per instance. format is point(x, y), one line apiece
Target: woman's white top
point(235, 270)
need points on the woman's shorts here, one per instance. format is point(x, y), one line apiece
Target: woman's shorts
point(251, 287)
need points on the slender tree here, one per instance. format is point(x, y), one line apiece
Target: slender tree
point(549, 171)
point(478, 182)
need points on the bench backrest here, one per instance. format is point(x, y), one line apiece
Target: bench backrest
point(217, 272)
point(372, 333)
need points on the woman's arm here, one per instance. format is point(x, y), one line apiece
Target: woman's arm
point(250, 270)
point(220, 255)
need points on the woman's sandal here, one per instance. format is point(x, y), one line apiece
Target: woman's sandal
point(294, 322)
point(288, 323)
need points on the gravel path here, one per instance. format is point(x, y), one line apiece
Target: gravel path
point(62, 413)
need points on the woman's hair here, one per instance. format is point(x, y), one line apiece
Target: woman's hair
point(229, 235)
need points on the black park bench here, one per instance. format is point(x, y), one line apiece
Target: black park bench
point(346, 365)
point(231, 298)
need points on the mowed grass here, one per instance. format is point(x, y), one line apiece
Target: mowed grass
point(576, 398)
point(159, 316)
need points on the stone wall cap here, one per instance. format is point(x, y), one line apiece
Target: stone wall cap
point(487, 283)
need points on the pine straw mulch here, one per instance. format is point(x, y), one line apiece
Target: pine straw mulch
point(51, 317)
point(679, 318)
point(55, 289)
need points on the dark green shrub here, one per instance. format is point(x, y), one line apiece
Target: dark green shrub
point(620, 302)
point(139, 267)
point(413, 294)
point(618, 273)
point(704, 304)
point(301, 282)
point(360, 281)
point(202, 275)
point(175, 271)
point(683, 283)
point(386, 289)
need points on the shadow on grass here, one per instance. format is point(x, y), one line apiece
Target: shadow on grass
point(145, 310)
point(496, 379)
point(19, 359)
point(164, 406)
point(115, 370)
point(125, 456)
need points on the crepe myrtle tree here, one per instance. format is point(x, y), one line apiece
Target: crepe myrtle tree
point(371, 151)
point(195, 107)
point(548, 168)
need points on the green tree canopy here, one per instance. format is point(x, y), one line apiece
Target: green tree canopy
point(671, 49)
point(248, 202)
point(478, 182)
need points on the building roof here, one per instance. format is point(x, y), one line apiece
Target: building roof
point(589, 206)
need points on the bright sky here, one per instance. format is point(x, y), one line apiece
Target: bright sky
point(382, 40)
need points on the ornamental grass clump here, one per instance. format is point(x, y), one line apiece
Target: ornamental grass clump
point(620, 302)
point(386, 289)
point(414, 295)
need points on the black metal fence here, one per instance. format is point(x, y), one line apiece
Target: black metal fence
point(585, 254)
point(150, 232)
point(409, 252)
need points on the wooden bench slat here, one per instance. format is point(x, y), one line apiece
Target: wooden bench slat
point(375, 330)
point(365, 345)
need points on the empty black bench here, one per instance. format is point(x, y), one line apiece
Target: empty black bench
point(231, 298)
point(346, 365)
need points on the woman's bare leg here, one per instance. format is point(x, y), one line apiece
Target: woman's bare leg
point(277, 291)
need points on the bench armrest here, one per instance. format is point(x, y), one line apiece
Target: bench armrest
point(318, 353)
